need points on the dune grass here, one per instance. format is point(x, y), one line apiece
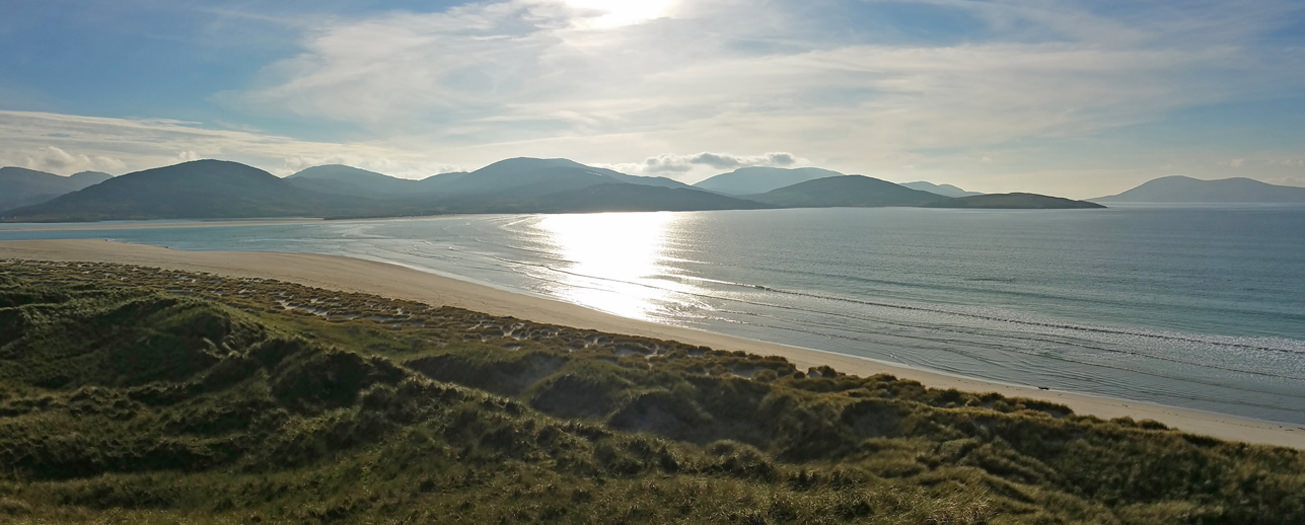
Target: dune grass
point(137, 395)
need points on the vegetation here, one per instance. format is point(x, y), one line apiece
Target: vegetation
point(138, 395)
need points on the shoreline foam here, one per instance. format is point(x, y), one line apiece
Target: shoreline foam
point(399, 282)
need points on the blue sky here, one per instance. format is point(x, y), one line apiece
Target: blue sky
point(1069, 98)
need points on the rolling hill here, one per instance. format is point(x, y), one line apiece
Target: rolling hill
point(846, 191)
point(755, 180)
point(24, 187)
point(1177, 189)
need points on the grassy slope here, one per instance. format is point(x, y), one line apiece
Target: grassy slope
point(140, 395)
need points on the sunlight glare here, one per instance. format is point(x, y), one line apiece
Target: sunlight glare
point(613, 260)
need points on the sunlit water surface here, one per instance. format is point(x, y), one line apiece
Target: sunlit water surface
point(1200, 308)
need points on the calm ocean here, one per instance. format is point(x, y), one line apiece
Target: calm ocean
point(1201, 308)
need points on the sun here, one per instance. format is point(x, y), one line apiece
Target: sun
point(607, 14)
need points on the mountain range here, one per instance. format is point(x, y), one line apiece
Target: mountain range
point(223, 189)
point(22, 187)
point(1177, 189)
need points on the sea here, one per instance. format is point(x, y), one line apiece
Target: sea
point(1199, 307)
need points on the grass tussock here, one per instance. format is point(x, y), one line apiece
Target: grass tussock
point(137, 395)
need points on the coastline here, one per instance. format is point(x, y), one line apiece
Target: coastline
point(153, 225)
point(388, 280)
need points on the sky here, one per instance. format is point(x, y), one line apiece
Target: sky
point(1071, 98)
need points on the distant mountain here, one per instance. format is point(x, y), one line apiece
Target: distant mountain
point(87, 178)
point(661, 182)
point(1014, 201)
point(755, 180)
point(197, 189)
point(348, 180)
point(23, 187)
point(846, 191)
point(1187, 189)
point(946, 190)
point(525, 176)
point(447, 175)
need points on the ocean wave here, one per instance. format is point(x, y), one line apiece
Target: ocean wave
point(1213, 344)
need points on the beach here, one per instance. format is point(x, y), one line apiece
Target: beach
point(356, 275)
point(97, 226)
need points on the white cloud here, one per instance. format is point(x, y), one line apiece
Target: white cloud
point(716, 161)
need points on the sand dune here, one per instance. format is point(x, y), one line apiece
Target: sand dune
point(355, 275)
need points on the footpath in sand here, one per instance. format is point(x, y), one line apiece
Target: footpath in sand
point(387, 280)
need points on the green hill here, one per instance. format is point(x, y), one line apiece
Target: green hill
point(846, 191)
point(1015, 201)
point(134, 395)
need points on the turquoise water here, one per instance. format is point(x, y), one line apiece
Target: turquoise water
point(1201, 308)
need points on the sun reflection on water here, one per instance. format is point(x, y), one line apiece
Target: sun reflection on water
point(614, 262)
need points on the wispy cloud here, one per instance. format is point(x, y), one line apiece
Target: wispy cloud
point(898, 89)
point(523, 71)
point(67, 143)
point(715, 162)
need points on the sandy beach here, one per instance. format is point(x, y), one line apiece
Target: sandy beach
point(355, 275)
point(151, 225)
